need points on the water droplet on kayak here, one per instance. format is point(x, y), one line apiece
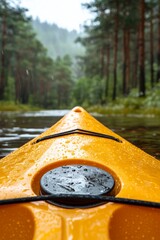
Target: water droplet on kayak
point(24, 190)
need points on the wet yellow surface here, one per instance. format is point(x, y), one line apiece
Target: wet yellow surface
point(136, 175)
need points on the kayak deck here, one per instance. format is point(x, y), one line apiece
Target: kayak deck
point(135, 173)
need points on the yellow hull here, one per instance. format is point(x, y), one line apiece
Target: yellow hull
point(136, 175)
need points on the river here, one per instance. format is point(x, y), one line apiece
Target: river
point(17, 128)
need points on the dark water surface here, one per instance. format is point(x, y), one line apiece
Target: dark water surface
point(18, 128)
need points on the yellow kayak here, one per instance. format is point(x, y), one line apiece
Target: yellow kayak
point(79, 181)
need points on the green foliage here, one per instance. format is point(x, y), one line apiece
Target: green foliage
point(88, 91)
point(63, 81)
point(132, 104)
point(9, 94)
point(27, 74)
point(80, 92)
point(11, 106)
point(153, 98)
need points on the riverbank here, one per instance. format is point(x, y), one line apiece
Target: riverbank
point(132, 105)
point(12, 106)
point(122, 107)
point(119, 107)
point(125, 111)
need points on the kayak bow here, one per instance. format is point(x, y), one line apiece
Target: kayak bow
point(79, 180)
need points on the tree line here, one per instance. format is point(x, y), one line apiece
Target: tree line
point(122, 55)
point(122, 45)
point(27, 74)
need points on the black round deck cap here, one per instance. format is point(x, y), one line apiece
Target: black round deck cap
point(76, 180)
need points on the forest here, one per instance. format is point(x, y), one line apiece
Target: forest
point(121, 61)
point(58, 41)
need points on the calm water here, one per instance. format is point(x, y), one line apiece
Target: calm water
point(18, 128)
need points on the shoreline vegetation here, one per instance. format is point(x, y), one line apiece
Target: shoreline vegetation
point(127, 107)
point(122, 110)
point(133, 105)
point(9, 106)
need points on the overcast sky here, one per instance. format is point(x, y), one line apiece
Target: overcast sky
point(65, 13)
